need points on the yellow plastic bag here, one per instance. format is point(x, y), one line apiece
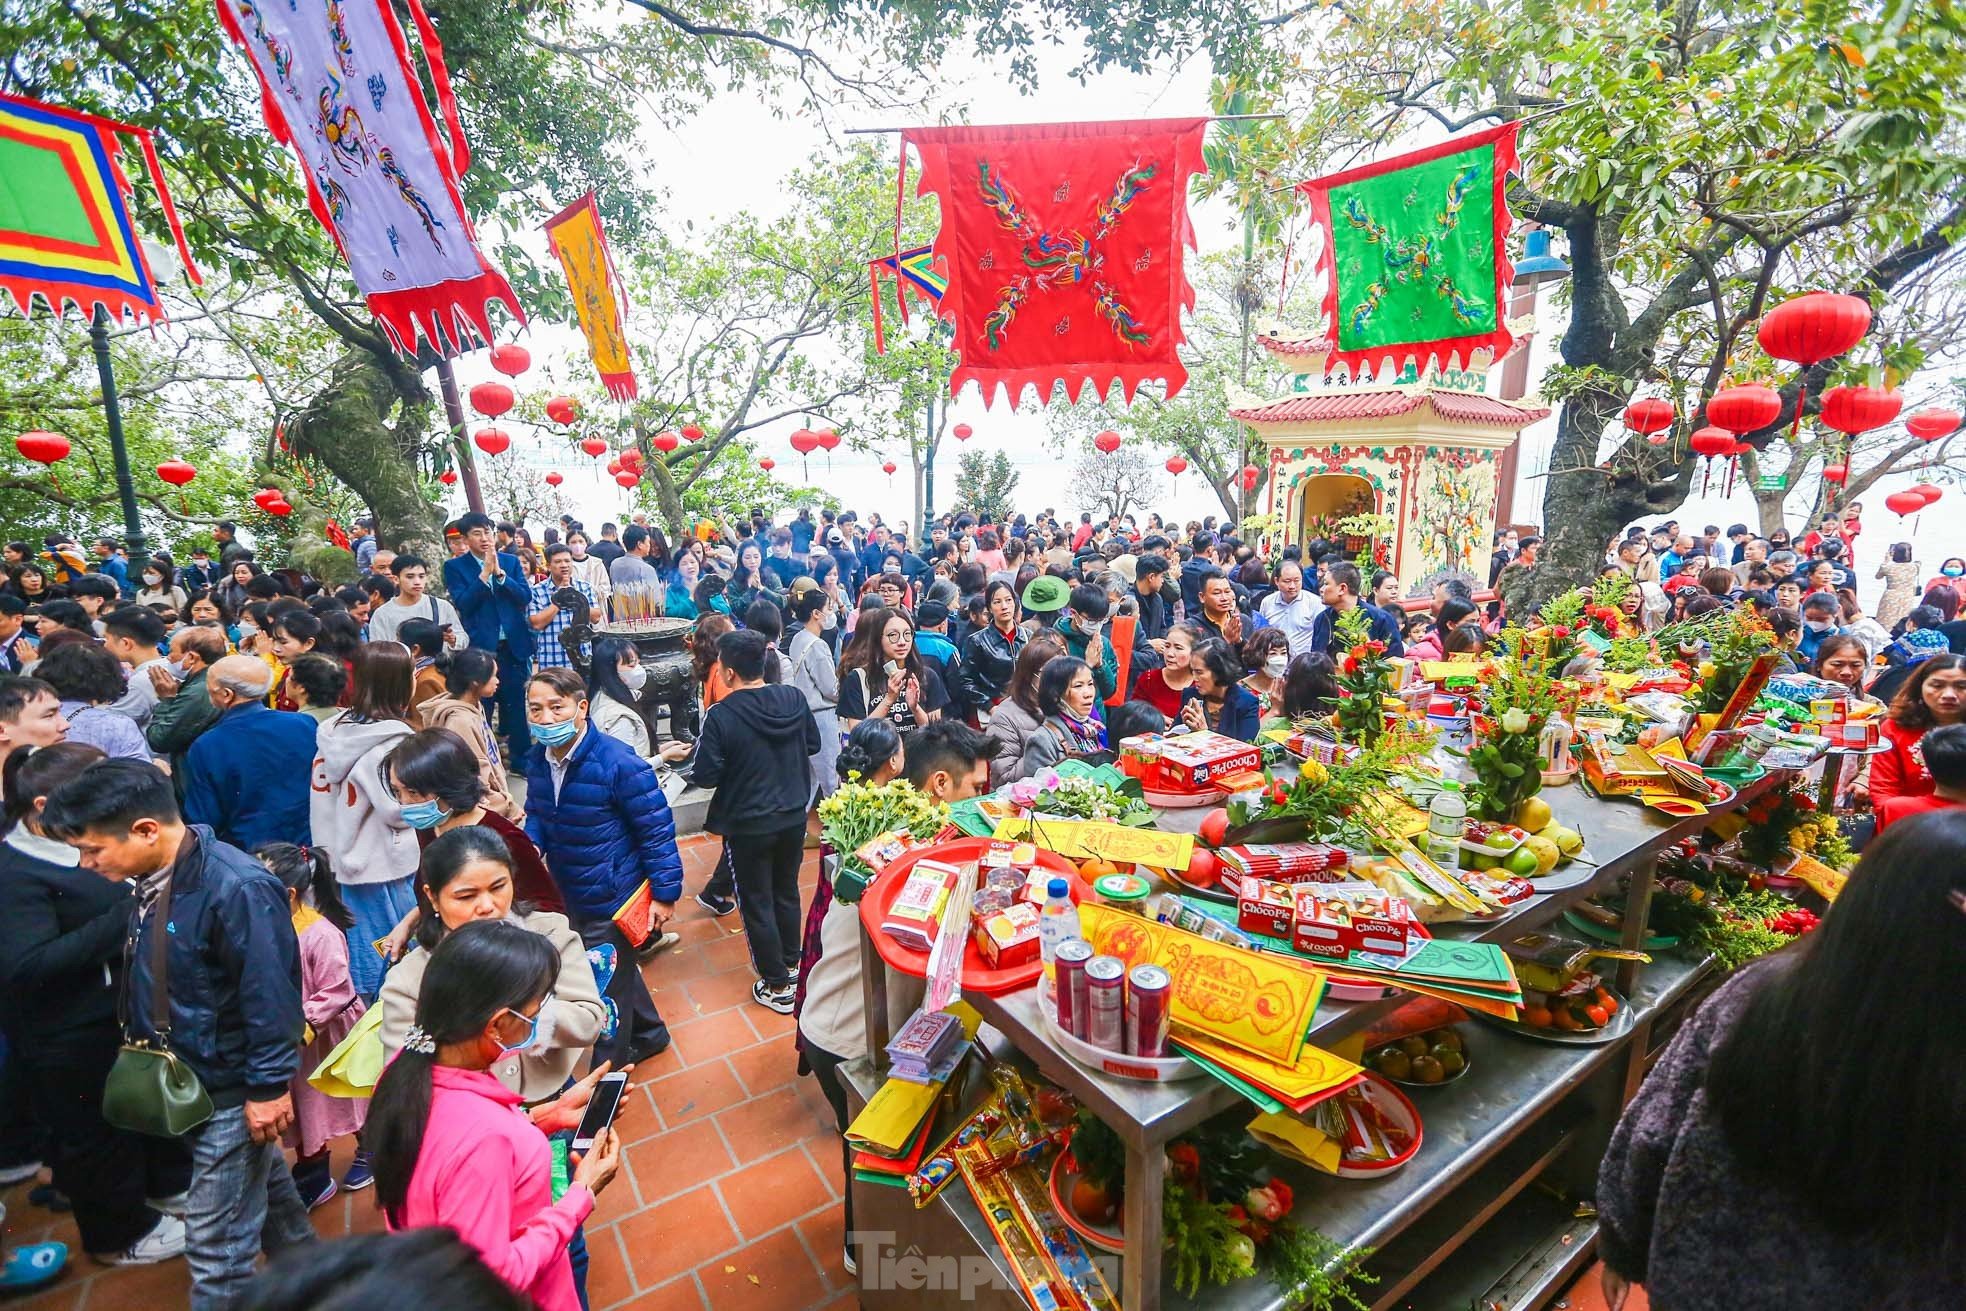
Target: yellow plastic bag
point(353, 1067)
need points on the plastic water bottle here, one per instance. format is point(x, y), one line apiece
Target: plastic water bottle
point(1447, 819)
point(1060, 922)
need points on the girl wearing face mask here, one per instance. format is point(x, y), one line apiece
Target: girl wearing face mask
point(156, 586)
point(329, 1006)
point(590, 569)
point(615, 683)
point(453, 1144)
point(1952, 573)
point(468, 876)
point(1267, 656)
point(470, 681)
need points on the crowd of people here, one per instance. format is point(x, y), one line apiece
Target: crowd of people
point(260, 820)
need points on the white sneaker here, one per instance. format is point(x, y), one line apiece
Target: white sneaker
point(169, 1205)
point(163, 1242)
point(18, 1174)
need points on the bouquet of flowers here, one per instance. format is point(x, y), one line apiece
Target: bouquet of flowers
point(1366, 675)
point(1605, 613)
point(1219, 1215)
point(1080, 797)
point(859, 812)
point(1328, 799)
point(1786, 819)
point(1734, 640)
point(1519, 692)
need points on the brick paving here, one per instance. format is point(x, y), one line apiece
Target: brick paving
point(728, 1197)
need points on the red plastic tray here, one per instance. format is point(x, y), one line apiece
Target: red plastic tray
point(978, 976)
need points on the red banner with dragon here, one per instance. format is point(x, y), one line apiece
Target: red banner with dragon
point(338, 86)
point(1064, 246)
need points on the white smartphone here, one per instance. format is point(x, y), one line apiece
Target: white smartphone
point(602, 1105)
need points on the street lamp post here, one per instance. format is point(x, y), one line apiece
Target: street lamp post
point(1537, 266)
point(112, 417)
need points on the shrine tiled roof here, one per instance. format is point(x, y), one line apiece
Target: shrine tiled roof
point(1455, 407)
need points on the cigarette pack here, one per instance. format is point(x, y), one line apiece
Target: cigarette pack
point(1265, 908)
point(1324, 750)
point(915, 918)
point(924, 1042)
point(1288, 862)
point(1009, 937)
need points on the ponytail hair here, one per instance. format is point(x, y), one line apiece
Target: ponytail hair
point(464, 669)
point(306, 872)
point(872, 743)
point(36, 772)
point(483, 968)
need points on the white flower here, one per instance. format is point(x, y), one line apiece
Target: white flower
point(1515, 721)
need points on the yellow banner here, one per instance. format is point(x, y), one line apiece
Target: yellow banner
point(1083, 839)
point(576, 237)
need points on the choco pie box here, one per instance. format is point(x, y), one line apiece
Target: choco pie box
point(1265, 908)
point(1334, 927)
point(1187, 762)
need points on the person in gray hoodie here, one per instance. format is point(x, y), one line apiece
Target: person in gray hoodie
point(354, 817)
point(753, 751)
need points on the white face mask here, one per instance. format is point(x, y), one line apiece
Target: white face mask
point(1275, 665)
point(248, 630)
point(151, 580)
point(634, 676)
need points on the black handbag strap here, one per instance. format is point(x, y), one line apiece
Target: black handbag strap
point(160, 991)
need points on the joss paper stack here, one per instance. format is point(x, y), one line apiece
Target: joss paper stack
point(926, 1047)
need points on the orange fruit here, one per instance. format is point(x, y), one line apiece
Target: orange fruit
point(1096, 867)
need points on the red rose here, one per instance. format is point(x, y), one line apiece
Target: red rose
point(1350, 665)
point(1376, 647)
point(1560, 632)
point(1282, 1192)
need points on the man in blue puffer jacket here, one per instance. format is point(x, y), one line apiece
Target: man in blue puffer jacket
point(596, 812)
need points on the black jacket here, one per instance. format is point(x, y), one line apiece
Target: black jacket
point(989, 659)
point(234, 980)
point(61, 949)
point(753, 750)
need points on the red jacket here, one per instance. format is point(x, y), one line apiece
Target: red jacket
point(1899, 772)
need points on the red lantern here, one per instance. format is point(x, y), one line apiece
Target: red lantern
point(665, 442)
point(595, 447)
point(632, 460)
point(554, 479)
point(767, 464)
point(492, 399)
point(510, 359)
point(42, 446)
point(628, 478)
point(448, 478)
point(563, 409)
point(1818, 326)
point(1744, 409)
point(280, 509)
point(1712, 441)
point(614, 466)
point(1176, 465)
point(176, 472)
point(265, 496)
point(692, 433)
point(805, 441)
point(1836, 473)
point(888, 467)
point(963, 432)
point(827, 438)
point(1930, 425)
point(492, 441)
point(1906, 502)
point(1929, 492)
point(1251, 475)
point(1814, 327)
point(1649, 415)
point(1107, 442)
point(1851, 410)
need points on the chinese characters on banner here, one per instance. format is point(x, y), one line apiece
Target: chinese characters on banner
point(578, 241)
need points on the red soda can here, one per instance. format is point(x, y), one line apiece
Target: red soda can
point(1105, 985)
point(1147, 991)
point(1068, 984)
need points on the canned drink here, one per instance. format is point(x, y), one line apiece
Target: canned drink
point(1105, 1010)
point(1068, 984)
point(1147, 992)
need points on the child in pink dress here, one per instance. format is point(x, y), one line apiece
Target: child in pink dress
point(331, 1008)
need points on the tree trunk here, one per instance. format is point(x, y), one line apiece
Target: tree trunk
point(346, 425)
point(1584, 507)
point(668, 499)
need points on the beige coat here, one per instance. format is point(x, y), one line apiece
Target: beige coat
point(468, 722)
point(577, 1011)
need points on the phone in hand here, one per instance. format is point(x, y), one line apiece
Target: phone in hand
point(891, 668)
point(602, 1105)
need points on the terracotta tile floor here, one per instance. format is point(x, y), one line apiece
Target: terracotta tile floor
point(729, 1194)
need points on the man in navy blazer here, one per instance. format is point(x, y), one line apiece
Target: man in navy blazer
point(490, 591)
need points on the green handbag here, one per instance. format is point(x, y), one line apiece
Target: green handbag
point(149, 1090)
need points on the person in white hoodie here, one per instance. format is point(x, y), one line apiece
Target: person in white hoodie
point(355, 818)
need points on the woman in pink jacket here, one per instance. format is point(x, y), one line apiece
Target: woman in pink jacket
point(449, 1142)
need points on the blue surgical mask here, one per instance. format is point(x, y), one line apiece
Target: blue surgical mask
point(555, 735)
point(1952, 571)
point(534, 1024)
point(423, 814)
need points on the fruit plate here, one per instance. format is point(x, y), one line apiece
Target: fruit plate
point(1466, 1065)
point(1065, 1178)
point(978, 974)
point(1397, 1107)
point(1590, 928)
point(1146, 1069)
point(1620, 1025)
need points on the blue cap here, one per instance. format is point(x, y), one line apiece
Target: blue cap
point(1058, 888)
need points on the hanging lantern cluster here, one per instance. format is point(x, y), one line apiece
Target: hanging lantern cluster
point(1737, 411)
point(1811, 328)
point(1251, 475)
point(273, 501)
